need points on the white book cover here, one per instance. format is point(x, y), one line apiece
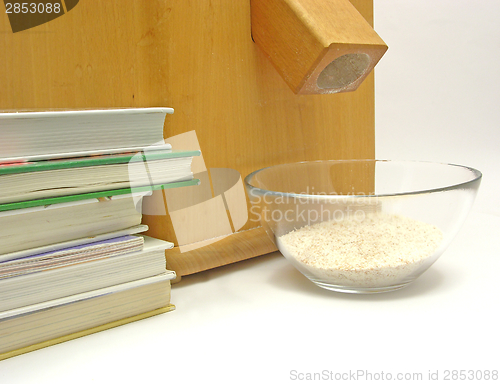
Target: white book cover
point(60, 281)
point(54, 134)
point(73, 243)
point(167, 275)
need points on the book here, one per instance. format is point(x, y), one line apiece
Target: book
point(39, 325)
point(71, 191)
point(72, 243)
point(55, 134)
point(136, 191)
point(39, 262)
point(42, 222)
point(62, 177)
point(40, 278)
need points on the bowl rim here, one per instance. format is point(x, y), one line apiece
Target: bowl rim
point(477, 177)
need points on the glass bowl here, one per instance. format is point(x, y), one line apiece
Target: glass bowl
point(362, 226)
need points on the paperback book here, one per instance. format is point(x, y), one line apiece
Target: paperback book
point(55, 134)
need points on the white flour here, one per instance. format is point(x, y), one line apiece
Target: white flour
point(379, 251)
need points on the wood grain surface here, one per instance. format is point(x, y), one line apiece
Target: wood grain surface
point(317, 46)
point(199, 58)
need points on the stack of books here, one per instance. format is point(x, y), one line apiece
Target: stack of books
point(72, 261)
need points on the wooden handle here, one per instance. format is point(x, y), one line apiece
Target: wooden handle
point(317, 46)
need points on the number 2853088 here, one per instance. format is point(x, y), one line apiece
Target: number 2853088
point(33, 7)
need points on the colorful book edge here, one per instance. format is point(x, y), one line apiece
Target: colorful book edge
point(95, 195)
point(97, 160)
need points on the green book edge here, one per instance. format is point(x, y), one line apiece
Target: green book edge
point(94, 195)
point(50, 165)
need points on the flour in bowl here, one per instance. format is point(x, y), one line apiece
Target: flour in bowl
point(378, 251)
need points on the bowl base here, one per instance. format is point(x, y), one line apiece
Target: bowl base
point(359, 290)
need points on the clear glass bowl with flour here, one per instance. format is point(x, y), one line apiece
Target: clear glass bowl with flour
point(362, 226)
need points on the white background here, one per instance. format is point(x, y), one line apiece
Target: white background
point(437, 96)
